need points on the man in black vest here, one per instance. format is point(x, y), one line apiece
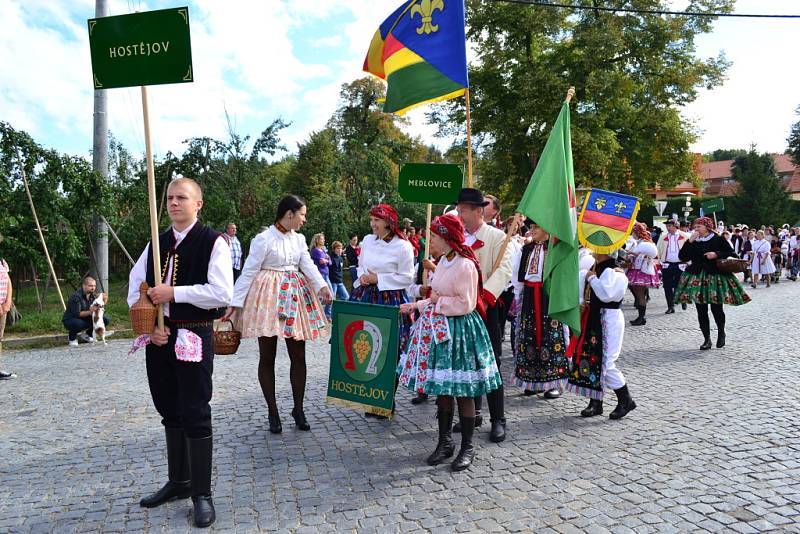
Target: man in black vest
point(195, 289)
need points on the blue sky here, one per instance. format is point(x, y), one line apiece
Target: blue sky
point(259, 60)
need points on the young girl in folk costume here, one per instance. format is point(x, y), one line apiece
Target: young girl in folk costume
point(276, 296)
point(449, 353)
point(385, 268)
point(594, 353)
point(703, 284)
point(643, 273)
point(540, 342)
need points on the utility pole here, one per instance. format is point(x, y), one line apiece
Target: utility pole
point(100, 164)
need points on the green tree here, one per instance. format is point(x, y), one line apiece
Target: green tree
point(723, 154)
point(794, 141)
point(760, 197)
point(632, 73)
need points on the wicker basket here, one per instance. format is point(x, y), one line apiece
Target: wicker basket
point(732, 265)
point(226, 341)
point(143, 313)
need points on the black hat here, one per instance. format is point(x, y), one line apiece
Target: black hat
point(468, 195)
point(671, 222)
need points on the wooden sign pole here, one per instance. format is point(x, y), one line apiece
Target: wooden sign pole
point(151, 196)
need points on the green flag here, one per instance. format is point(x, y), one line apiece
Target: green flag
point(550, 201)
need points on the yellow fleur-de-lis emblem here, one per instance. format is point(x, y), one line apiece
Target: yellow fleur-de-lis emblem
point(361, 347)
point(620, 206)
point(425, 11)
point(599, 203)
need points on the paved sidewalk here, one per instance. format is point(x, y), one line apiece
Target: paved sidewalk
point(714, 445)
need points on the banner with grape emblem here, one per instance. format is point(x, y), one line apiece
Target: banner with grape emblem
point(364, 340)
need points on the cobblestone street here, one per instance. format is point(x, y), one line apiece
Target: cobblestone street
point(714, 445)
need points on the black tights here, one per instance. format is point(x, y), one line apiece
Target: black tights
point(466, 405)
point(267, 348)
point(702, 317)
point(640, 296)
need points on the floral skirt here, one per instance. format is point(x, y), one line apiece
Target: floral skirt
point(393, 297)
point(281, 303)
point(704, 288)
point(460, 364)
point(639, 278)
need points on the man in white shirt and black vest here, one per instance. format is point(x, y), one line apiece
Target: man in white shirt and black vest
point(487, 243)
point(669, 246)
point(196, 287)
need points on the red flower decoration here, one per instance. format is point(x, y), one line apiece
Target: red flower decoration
point(426, 339)
point(308, 307)
point(423, 365)
point(290, 321)
point(408, 365)
point(285, 286)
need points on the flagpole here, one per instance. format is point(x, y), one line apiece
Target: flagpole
point(427, 244)
point(570, 94)
point(469, 140)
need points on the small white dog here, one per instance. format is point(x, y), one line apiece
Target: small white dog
point(97, 318)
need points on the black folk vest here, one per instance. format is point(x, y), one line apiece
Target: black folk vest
point(190, 267)
point(596, 302)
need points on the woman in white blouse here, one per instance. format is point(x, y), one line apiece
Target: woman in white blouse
point(276, 296)
point(385, 267)
point(761, 259)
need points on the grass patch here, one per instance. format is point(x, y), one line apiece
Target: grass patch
point(47, 322)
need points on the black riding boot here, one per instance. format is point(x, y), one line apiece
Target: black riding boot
point(445, 447)
point(497, 415)
point(467, 452)
point(625, 403)
point(178, 485)
point(478, 416)
point(706, 338)
point(200, 454)
point(595, 407)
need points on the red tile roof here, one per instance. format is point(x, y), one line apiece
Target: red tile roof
point(714, 172)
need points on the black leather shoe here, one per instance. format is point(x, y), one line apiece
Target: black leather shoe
point(625, 403)
point(170, 492)
point(683, 307)
point(179, 485)
point(552, 394)
point(275, 423)
point(300, 420)
point(204, 513)
point(445, 447)
point(639, 321)
point(706, 344)
point(529, 393)
point(498, 432)
point(669, 310)
point(720, 340)
point(420, 398)
point(595, 407)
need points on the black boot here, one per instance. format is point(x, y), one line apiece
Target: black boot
point(640, 320)
point(625, 403)
point(496, 402)
point(720, 331)
point(178, 485)
point(595, 407)
point(275, 425)
point(300, 420)
point(706, 337)
point(445, 447)
point(478, 417)
point(200, 455)
point(467, 452)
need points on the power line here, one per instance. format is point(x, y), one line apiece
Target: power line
point(647, 11)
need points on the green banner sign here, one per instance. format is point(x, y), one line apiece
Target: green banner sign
point(147, 48)
point(713, 206)
point(430, 183)
point(364, 343)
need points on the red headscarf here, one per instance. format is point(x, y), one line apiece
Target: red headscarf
point(641, 232)
point(450, 228)
point(707, 222)
point(388, 214)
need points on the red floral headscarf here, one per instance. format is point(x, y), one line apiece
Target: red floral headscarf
point(450, 228)
point(641, 232)
point(707, 222)
point(387, 213)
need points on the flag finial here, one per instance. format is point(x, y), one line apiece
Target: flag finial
point(570, 94)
